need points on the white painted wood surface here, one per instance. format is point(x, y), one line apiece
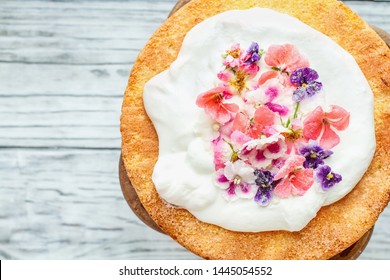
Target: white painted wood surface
point(63, 70)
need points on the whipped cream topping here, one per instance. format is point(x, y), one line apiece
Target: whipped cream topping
point(184, 174)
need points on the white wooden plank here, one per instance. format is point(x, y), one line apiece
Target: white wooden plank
point(67, 204)
point(60, 121)
point(36, 79)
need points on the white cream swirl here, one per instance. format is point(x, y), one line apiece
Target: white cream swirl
point(184, 172)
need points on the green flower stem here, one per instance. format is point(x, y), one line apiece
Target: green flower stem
point(296, 111)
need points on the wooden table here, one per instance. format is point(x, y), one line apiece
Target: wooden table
point(63, 70)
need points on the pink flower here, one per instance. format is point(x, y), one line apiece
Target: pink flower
point(295, 180)
point(227, 150)
point(285, 58)
point(212, 102)
point(241, 60)
point(278, 75)
point(261, 152)
point(235, 56)
point(263, 118)
point(275, 95)
point(294, 136)
point(222, 152)
point(319, 125)
point(240, 80)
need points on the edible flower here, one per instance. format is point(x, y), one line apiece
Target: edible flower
point(262, 118)
point(252, 54)
point(237, 81)
point(213, 103)
point(261, 152)
point(320, 124)
point(293, 135)
point(314, 154)
point(285, 58)
point(295, 180)
point(234, 56)
point(327, 178)
point(265, 182)
point(227, 150)
point(238, 179)
point(306, 80)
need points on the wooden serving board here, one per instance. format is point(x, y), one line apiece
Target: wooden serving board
point(129, 193)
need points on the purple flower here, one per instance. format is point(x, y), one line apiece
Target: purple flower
point(252, 54)
point(306, 80)
point(314, 155)
point(327, 178)
point(265, 181)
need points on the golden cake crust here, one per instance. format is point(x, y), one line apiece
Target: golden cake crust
point(335, 227)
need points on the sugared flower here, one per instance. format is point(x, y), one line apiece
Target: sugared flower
point(253, 127)
point(213, 103)
point(240, 65)
point(227, 149)
point(238, 179)
point(306, 80)
point(260, 152)
point(319, 125)
point(252, 54)
point(293, 135)
point(271, 94)
point(314, 154)
point(295, 180)
point(234, 56)
point(285, 58)
point(327, 178)
point(265, 182)
point(237, 81)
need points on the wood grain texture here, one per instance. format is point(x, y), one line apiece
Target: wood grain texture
point(63, 70)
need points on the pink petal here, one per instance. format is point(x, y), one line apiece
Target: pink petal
point(294, 60)
point(274, 148)
point(231, 107)
point(277, 108)
point(292, 163)
point(264, 116)
point(290, 145)
point(267, 76)
point(272, 92)
point(239, 138)
point(269, 131)
point(204, 98)
point(302, 181)
point(220, 148)
point(226, 129)
point(222, 115)
point(225, 75)
point(338, 117)
point(212, 109)
point(260, 155)
point(313, 124)
point(240, 123)
point(275, 55)
point(250, 69)
point(222, 179)
point(283, 189)
point(286, 57)
point(329, 138)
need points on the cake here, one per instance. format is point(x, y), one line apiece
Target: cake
point(264, 130)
